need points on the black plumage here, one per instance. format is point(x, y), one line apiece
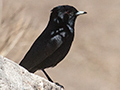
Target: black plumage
point(54, 42)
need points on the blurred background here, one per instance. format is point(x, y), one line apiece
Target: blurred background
point(93, 62)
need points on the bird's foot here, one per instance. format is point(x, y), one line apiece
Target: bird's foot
point(59, 85)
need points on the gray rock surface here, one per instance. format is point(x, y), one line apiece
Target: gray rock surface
point(15, 77)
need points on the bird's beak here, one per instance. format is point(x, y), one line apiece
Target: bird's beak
point(81, 13)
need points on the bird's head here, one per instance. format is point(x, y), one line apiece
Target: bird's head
point(65, 14)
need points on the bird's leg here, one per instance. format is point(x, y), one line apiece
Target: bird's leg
point(48, 77)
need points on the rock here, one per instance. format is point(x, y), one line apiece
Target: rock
point(15, 77)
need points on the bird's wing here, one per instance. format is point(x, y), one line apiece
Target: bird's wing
point(40, 50)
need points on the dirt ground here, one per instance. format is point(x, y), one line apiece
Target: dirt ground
point(93, 62)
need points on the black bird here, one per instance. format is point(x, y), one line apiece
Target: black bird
point(54, 42)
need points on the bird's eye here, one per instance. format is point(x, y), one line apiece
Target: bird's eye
point(67, 12)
